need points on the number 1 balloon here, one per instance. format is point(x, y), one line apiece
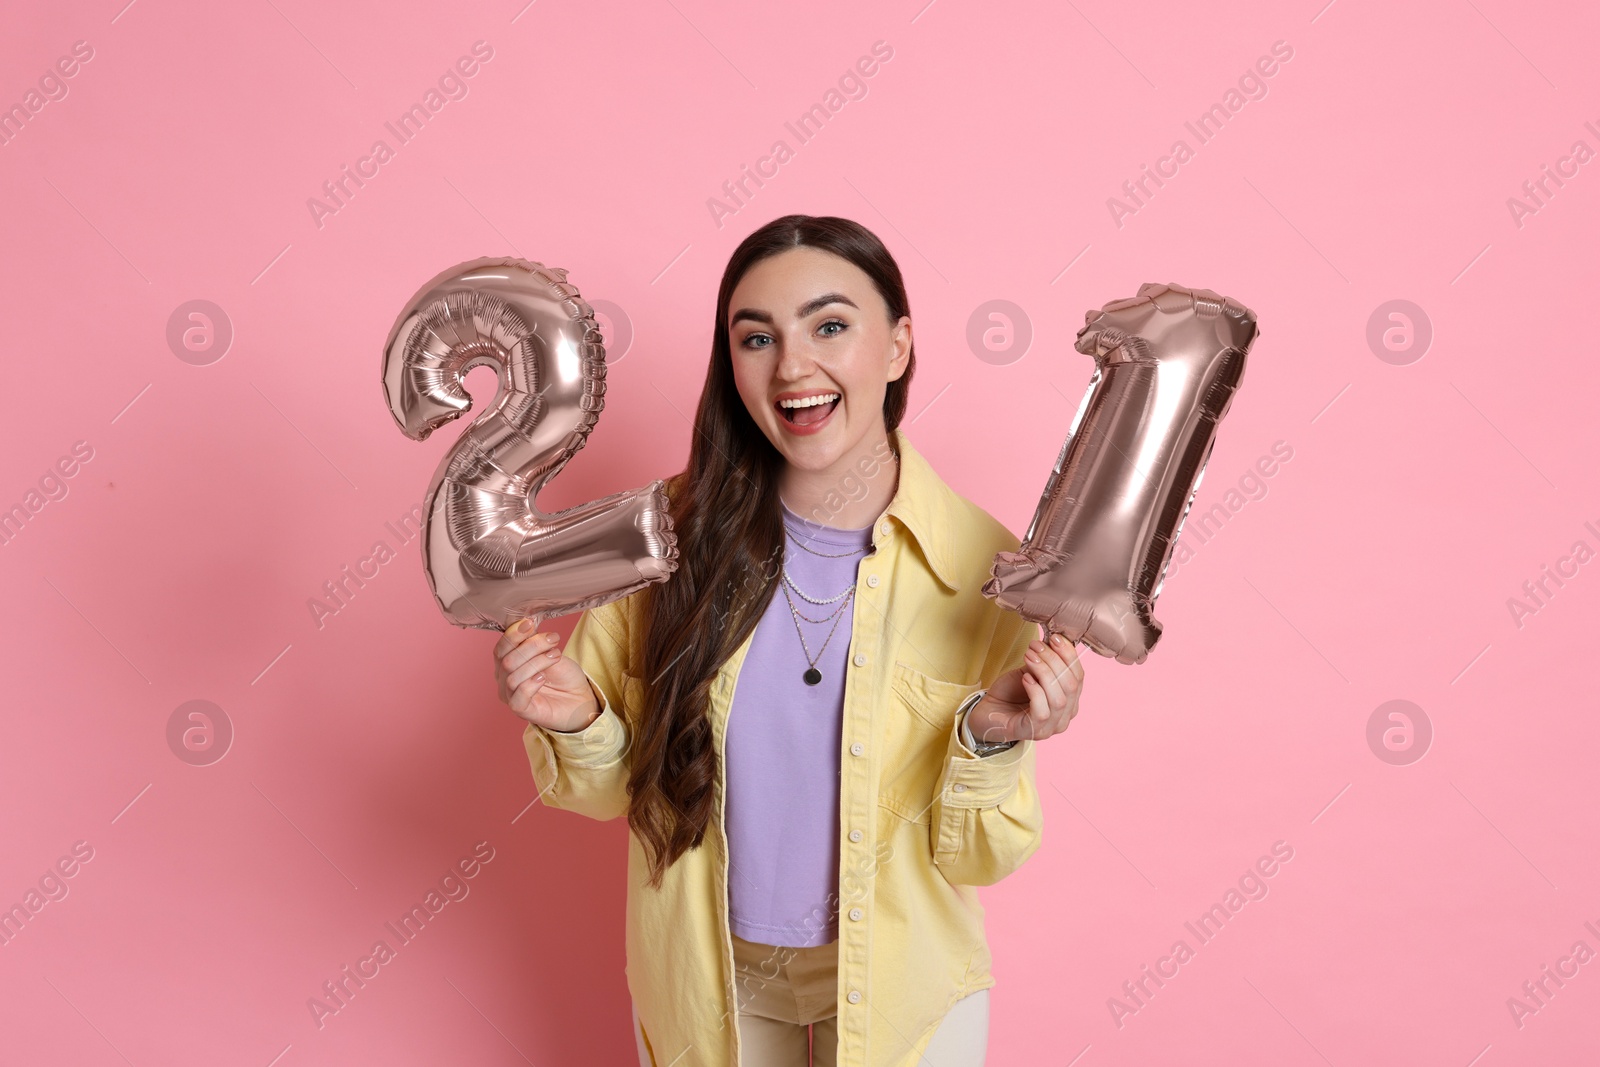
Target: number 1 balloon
point(1167, 363)
point(491, 556)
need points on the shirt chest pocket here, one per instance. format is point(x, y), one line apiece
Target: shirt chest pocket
point(915, 739)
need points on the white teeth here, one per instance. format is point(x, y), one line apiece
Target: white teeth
point(810, 401)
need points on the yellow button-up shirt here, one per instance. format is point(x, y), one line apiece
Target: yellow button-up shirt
point(922, 819)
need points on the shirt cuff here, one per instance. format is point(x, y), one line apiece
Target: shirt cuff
point(972, 781)
point(600, 743)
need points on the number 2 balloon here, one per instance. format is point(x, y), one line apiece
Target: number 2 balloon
point(1167, 363)
point(491, 556)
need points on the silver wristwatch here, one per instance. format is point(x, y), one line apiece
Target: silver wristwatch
point(982, 748)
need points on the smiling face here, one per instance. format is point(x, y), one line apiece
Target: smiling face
point(807, 324)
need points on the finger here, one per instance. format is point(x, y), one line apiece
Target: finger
point(514, 635)
point(525, 692)
point(534, 663)
point(1032, 727)
point(1068, 652)
point(1059, 655)
point(1040, 725)
point(1063, 715)
point(536, 647)
point(1061, 688)
point(1060, 700)
point(1051, 670)
point(1072, 686)
point(516, 632)
point(1038, 708)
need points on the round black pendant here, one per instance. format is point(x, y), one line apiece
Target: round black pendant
point(812, 676)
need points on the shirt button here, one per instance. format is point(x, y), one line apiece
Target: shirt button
point(854, 997)
point(855, 914)
point(855, 835)
point(959, 787)
point(872, 580)
point(884, 529)
point(857, 748)
point(860, 659)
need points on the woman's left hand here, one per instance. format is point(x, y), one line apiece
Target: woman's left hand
point(1034, 701)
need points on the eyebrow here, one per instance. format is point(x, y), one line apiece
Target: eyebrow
point(814, 304)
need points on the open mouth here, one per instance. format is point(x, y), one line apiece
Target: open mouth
point(810, 411)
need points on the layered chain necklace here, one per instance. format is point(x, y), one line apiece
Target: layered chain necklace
point(812, 676)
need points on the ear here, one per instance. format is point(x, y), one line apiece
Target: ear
point(900, 338)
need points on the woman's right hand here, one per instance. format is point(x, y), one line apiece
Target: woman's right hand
point(541, 684)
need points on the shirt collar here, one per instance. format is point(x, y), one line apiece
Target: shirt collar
point(927, 507)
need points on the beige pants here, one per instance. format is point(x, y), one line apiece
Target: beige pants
point(788, 1011)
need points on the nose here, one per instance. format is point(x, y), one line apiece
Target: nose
point(796, 361)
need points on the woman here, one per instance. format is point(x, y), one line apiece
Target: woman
point(820, 730)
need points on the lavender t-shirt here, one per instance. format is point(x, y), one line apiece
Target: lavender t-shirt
point(783, 738)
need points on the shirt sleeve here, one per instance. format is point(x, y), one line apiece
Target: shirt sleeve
point(986, 819)
point(586, 771)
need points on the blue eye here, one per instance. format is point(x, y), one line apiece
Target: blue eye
point(751, 339)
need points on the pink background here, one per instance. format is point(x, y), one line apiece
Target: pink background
point(370, 754)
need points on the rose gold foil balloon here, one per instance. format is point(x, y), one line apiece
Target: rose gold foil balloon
point(1167, 363)
point(492, 557)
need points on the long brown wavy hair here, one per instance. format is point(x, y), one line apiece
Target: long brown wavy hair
point(725, 510)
